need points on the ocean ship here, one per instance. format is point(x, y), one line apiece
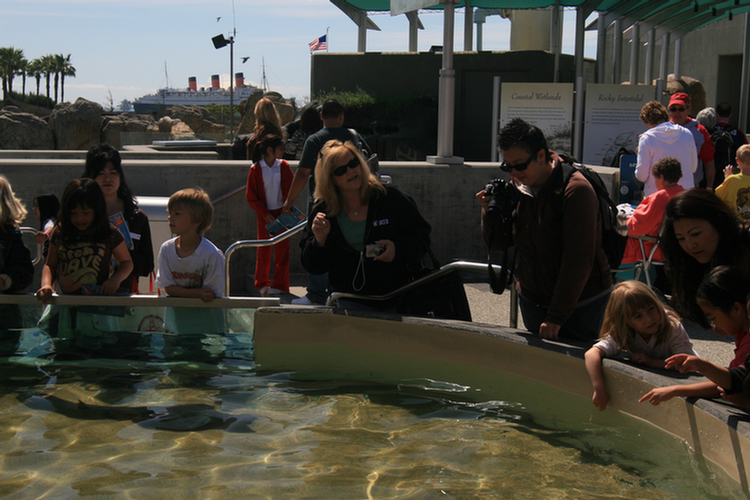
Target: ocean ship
point(167, 97)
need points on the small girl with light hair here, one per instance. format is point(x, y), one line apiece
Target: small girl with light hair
point(635, 321)
point(16, 269)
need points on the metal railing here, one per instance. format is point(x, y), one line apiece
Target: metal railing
point(255, 244)
point(460, 265)
point(39, 251)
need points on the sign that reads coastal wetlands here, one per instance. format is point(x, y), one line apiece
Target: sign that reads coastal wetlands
point(611, 120)
point(548, 106)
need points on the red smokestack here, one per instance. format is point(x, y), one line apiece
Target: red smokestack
point(192, 84)
point(239, 80)
point(215, 82)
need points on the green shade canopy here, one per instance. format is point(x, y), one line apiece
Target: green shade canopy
point(665, 16)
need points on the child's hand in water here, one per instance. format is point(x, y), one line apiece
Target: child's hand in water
point(600, 398)
point(207, 295)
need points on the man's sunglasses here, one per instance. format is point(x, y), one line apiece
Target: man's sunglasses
point(676, 109)
point(354, 163)
point(518, 167)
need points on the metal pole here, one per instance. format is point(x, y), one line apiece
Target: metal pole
point(555, 38)
point(650, 51)
point(468, 26)
point(231, 86)
point(617, 52)
point(495, 115)
point(664, 57)
point(601, 48)
point(580, 39)
point(578, 125)
point(677, 47)
point(745, 83)
point(635, 53)
point(659, 94)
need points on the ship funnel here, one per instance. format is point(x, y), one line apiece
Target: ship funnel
point(192, 83)
point(239, 80)
point(215, 83)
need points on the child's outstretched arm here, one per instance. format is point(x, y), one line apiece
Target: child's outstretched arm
point(49, 273)
point(124, 268)
point(685, 363)
point(593, 359)
point(661, 394)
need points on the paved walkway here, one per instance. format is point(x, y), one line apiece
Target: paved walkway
point(490, 308)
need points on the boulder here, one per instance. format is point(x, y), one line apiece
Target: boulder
point(20, 130)
point(177, 129)
point(77, 125)
point(198, 118)
point(247, 110)
point(694, 88)
point(136, 126)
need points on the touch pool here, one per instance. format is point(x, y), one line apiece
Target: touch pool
point(324, 406)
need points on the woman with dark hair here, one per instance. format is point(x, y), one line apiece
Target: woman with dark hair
point(309, 123)
point(367, 236)
point(104, 165)
point(699, 232)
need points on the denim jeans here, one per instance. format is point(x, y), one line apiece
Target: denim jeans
point(317, 288)
point(584, 324)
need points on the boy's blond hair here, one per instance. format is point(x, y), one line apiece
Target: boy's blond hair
point(743, 154)
point(195, 202)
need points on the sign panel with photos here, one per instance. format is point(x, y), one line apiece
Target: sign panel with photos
point(612, 121)
point(548, 106)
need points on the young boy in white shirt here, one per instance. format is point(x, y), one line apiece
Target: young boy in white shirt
point(190, 265)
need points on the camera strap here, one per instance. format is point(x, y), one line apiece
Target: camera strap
point(498, 284)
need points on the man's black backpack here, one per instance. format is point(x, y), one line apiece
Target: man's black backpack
point(723, 143)
point(613, 243)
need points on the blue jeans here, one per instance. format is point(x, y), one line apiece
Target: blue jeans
point(317, 288)
point(584, 324)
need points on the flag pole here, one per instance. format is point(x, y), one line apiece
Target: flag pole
point(327, 42)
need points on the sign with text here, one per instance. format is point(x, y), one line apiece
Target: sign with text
point(548, 106)
point(612, 121)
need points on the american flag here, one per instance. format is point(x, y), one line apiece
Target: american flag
point(318, 44)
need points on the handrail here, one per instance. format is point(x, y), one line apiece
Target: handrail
point(254, 244)
point(461, 265)
point(142, 301)
point(39, 251)
point(227, 195)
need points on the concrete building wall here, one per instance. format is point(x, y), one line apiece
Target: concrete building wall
point(711, 54)
point(399, 75)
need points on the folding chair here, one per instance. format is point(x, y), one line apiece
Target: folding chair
point(643, 265)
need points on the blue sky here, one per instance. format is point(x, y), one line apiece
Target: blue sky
point(121, 47)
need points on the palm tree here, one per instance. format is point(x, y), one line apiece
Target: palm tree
point(36, 70)
point(10, 62)
point(66, 69)
point(23, 70)
point(47, 68)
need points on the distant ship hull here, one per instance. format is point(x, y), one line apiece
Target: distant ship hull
point(166, 98)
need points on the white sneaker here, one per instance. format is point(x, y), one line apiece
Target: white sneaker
point(303, 301)
point(274, 291)
point(263, 291)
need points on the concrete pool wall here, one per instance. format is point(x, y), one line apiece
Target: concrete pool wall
point(394, 348)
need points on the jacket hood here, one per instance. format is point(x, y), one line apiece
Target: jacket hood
point(666, 132)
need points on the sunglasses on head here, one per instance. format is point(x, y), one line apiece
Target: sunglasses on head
point(339, 171)
point(518, 167)
point(676, 109)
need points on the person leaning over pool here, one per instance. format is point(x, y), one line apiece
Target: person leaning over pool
point(353, 212)
point(698, 233)
point(562, 273)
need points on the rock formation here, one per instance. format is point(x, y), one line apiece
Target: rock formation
point(694, 88)
point(198, 118)
point(126, 123)
point(77, 125)
point(20, 130)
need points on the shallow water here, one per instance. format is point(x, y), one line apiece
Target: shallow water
point(125, 415)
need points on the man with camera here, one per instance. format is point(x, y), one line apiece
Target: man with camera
point(561, 272)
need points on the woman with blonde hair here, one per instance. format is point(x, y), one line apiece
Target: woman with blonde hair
point(267, 122)
point(369, 237)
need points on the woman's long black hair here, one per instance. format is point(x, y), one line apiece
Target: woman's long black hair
point(84, 193)
point(687, 273)
point(96, 159)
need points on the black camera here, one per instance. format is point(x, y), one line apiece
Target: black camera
point(504, 198)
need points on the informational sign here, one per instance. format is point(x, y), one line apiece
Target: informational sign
point(612, 121)
point(548, 106)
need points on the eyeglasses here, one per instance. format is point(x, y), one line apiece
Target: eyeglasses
point(354, 163)
point(676, 109)
point(518, 167)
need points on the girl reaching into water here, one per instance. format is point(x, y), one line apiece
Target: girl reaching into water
point(723, 298)
point(635, 321)
point(82, 246)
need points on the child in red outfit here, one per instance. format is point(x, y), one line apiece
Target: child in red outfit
point(268, 185)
